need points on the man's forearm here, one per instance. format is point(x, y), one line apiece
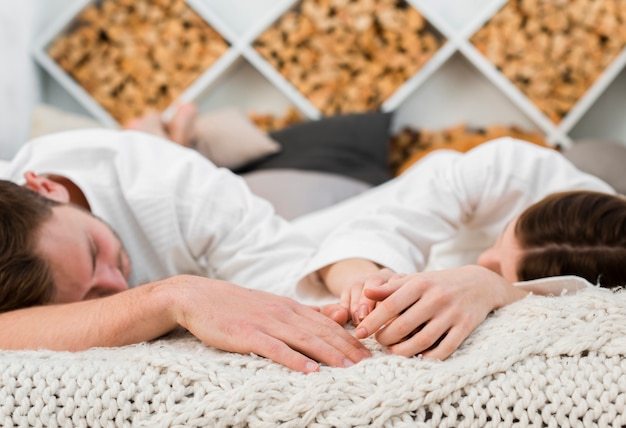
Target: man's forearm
point(220, 314)
point(132, 316)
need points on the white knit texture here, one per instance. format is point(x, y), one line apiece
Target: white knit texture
point(553, 362)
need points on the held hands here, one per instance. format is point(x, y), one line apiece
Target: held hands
point(354, 305)
point(242, 320)
point(429, 313)
point(358, 274)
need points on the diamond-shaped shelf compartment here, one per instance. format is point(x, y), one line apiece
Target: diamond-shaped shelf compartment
point(122, 58)
point(339, 57)
point(552, 60)
point(561, 55)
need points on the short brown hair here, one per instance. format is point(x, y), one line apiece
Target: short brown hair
point(25, 277)
point(579, 233)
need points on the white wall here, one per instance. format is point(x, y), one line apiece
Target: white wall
point(19, 84)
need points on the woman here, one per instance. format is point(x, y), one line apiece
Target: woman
point(517, 197)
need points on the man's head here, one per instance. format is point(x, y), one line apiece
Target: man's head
point(54, 251)
point(579, 233)
point(25, 278)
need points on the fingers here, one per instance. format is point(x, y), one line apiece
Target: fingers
point(435, 324)
point(361, 304)
point(448, 344)
point(327, 330)
point(336, 312)
point(425, 336)
point(432, 313)
point(237, 319)
point(354, 303)
point(393, 284)
point(410, 323)
point(320, 338)
point(278, 351)
point(397, 299)
point(433, 341)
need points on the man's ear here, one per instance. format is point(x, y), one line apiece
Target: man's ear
point(46, 187)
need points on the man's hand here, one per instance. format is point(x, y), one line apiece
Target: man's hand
point(242, 320)
point(431, 313)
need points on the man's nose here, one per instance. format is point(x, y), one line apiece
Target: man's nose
point(111, 282)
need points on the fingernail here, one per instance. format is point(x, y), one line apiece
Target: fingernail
point(311, 367)
point(360, 333)
point(347, 363)
point(363, 311)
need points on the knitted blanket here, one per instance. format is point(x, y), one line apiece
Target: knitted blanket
point(543, 361)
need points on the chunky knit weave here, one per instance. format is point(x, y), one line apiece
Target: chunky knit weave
point(541, 362)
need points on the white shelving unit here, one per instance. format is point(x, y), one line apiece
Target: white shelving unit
point(457, 85)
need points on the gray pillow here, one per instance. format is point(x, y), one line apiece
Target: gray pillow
point(604, 159)
point(353, 145)
point(296, 192)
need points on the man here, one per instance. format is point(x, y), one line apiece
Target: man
point(181, 222)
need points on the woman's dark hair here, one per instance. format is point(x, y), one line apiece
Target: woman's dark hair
point(579, 233)
point(25, 278)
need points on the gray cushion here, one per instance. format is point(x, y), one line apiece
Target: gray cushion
point(353, 145)
point(295, 192)
point(604, 159)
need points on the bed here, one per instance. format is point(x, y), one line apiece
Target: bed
point(543, 361)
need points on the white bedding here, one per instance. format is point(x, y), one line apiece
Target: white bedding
point(541, 361)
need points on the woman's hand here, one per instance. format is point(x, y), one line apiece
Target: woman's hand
point(355, 300)
point(347, 279)
point(432, 313)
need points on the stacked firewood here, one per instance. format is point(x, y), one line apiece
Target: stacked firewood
point(133, 56)
point(348, 56)
point(554, 50)
point(410, 144)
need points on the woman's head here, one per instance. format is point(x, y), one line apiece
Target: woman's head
point(579, 233)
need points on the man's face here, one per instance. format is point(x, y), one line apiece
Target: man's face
point(86, 257)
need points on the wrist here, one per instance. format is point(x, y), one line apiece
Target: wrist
point(180, 297)
point(502, 291)
point(341, 275)
point(164, 302)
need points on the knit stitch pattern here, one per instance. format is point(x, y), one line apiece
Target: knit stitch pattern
point(543, 361)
